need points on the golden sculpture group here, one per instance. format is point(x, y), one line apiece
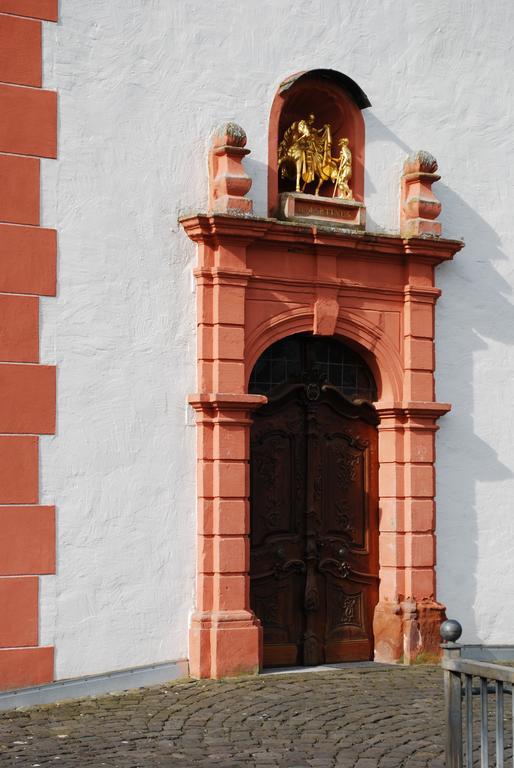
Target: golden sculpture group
point(305, 153)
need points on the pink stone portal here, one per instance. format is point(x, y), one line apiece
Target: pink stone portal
point(260, 280)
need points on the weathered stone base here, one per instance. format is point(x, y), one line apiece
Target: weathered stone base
point(421, 227)
point(408, 632)
point(224, 644)
point(310, 209)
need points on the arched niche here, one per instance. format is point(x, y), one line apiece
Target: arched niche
point(333, 98)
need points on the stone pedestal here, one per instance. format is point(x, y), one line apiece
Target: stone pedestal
point(419, 207)
point(408, 631)
point(310, 209)
point(228, 181)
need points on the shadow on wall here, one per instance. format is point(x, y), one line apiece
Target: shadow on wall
point(258, 172)
point(377, 131)
point(474, 297)
point(474, 304)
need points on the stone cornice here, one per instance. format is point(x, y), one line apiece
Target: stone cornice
point(413, 410)
point(218, 401)
point(215, 228)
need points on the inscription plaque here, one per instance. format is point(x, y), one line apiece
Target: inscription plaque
point(297, 206)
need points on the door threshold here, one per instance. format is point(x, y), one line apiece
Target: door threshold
point(327, 667)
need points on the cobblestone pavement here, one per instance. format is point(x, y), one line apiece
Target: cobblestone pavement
point(362, 718)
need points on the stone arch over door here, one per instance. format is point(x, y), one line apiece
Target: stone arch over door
point(351, 328)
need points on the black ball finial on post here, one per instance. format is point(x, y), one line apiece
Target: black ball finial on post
point(450, 631)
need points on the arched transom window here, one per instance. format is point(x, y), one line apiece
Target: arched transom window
point(300, 356)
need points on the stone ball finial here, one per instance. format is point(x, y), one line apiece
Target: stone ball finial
point(420, 162)
point(450, 631)
point(229, 135)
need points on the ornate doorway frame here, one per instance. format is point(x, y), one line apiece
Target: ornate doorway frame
point(262, 279)
point(259, 280)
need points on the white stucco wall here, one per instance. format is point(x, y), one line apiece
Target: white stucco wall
point(142, 84)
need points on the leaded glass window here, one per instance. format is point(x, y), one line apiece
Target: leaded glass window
point(293, 358)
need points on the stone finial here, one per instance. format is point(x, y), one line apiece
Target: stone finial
point(229, 134)
point(419, 206)
point(228, 182)
point(420, 162)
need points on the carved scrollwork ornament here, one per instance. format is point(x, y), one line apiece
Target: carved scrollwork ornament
point(282, 569)
point(347, 466)
point(348, 610)
point(312, 392)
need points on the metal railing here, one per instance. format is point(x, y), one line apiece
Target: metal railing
point(459, 674)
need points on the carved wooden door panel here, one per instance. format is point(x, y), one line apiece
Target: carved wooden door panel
point(278, 460)
point(314, 520)
point(344, 459)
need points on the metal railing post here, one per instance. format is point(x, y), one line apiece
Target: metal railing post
point(450, 631)
point(459, 673)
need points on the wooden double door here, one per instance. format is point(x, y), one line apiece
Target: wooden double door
point(314, 526)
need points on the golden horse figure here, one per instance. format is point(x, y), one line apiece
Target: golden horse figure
point(305, 153)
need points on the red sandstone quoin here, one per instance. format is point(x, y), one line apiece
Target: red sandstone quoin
point(261, 280)
point(28, 131)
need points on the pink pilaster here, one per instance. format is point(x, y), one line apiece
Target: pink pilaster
point(407, 533)
point(224, 635)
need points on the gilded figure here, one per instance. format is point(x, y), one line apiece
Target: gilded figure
point(304, 155)
point(344, 171)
